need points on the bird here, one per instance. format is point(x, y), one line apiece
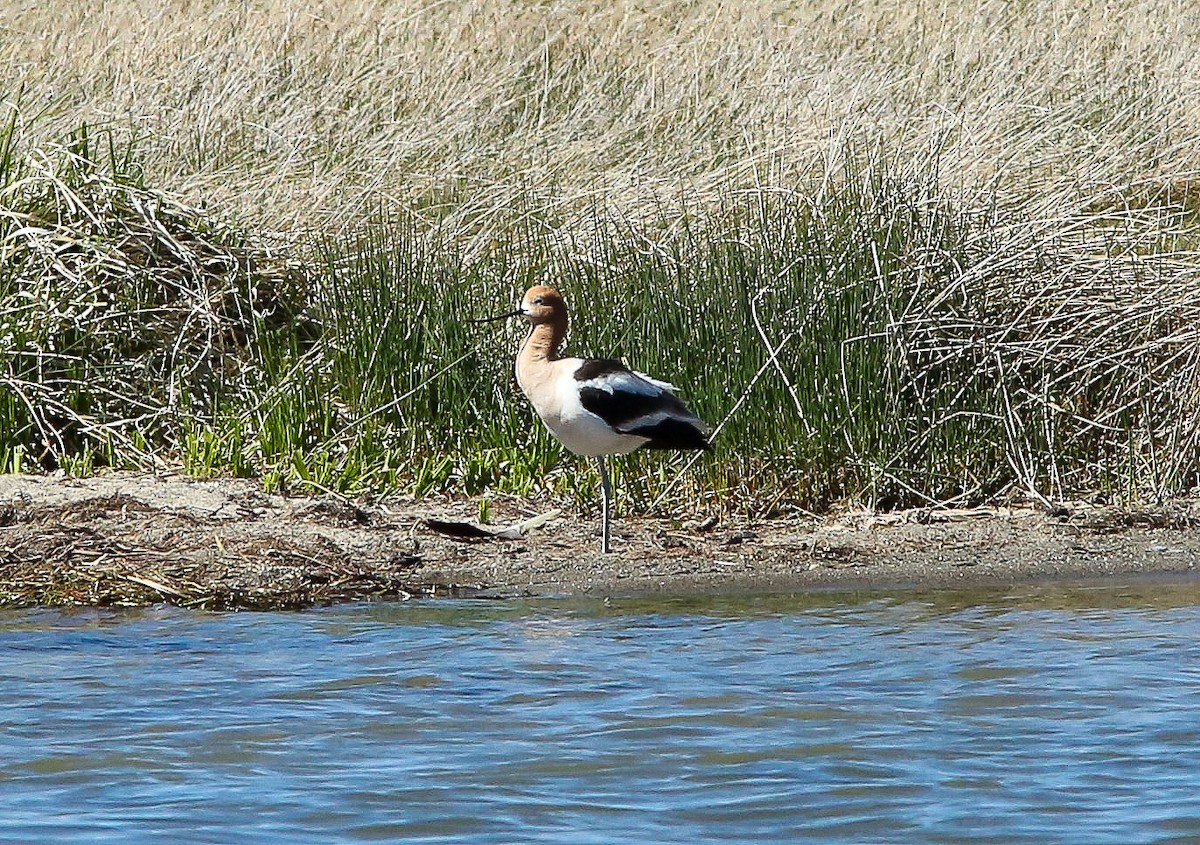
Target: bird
point(596, 407)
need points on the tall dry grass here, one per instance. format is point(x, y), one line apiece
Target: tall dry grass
point(301, 116)
point(948, 250)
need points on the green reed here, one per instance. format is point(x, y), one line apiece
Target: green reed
point(861, 337)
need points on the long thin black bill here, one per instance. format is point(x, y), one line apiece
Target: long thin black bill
point(504, 316)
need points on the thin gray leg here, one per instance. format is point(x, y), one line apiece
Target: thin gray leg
point(605, 498)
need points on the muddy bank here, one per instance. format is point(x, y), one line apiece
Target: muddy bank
point(123, 539)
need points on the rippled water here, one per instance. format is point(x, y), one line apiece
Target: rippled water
point(1049, 715)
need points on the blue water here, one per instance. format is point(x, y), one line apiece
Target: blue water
point(1041, 715)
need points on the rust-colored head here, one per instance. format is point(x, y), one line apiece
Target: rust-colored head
point(542, 304)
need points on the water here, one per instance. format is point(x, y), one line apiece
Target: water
point(1047, 715)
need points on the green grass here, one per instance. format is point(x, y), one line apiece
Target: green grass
point(901, 253)
point(860, 336)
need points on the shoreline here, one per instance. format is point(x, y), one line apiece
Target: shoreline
point(128, 539)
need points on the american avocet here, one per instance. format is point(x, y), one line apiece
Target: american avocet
point(596, 406)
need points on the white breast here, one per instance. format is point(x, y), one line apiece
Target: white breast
point(556, 401)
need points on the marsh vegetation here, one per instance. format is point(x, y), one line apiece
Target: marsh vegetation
point(912, 254)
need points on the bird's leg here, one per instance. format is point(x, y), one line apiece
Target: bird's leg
point(605, 497)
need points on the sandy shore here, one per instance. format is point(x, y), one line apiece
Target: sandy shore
point(121, 539)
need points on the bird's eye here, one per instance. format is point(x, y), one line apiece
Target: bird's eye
point(541, 300)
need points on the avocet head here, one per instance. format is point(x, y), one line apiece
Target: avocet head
point(542, 304)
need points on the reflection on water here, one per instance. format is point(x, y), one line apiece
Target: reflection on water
point(1045, 715)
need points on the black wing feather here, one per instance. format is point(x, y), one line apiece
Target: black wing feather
point(596, 367)
point(679, 429)
point(672, 433)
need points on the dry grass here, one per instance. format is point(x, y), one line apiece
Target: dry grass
point(960, 242)
point(297, 117)
point(119, 294)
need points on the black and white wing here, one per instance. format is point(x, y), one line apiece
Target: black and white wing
point(633, 403)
